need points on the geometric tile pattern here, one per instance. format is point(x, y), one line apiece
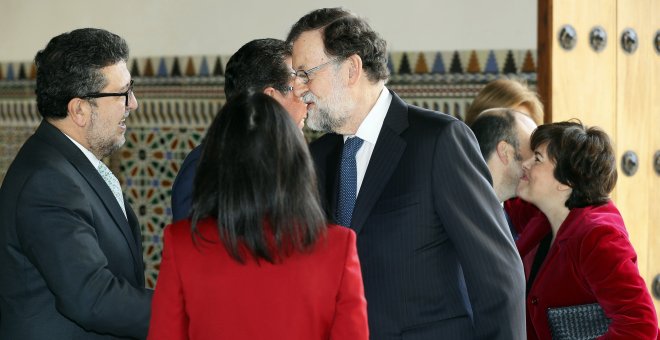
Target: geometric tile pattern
point(149, 162)
point(475, 62)
point(11, 139)
point(179, 96)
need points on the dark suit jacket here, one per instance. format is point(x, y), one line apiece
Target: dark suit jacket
point(70, 262)
point(203, 293)
point(183, 185)
point(429, 226)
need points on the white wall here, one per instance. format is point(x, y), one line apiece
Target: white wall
point(203, 27)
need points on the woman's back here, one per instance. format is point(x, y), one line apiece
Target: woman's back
point(313, 295)
point(257, 260)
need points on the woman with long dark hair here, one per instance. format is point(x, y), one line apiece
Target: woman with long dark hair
point(257, 259)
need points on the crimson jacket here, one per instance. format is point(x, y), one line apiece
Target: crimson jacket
point(203, 293)
point(591, 260)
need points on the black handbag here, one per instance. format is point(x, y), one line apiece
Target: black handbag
point(578, 322)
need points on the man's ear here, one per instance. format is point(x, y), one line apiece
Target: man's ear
point(79, 110)
point(270, 91)
point(355, 71)
point(563, 187)
point(502, 149)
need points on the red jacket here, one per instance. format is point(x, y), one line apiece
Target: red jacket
point(591, 260)
point(203, 293)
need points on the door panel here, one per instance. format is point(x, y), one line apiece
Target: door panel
point(654, 192)
point(634, 106)
point(615, 90)
point(584, 81)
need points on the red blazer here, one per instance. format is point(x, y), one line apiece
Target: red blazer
point(203, 293)
point(591, 260)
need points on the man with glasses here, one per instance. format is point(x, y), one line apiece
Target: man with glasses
point(438, 261)
point(262, 65)
point(70, 246)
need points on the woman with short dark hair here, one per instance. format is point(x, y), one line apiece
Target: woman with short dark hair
point(576, 249)
point(257, 259)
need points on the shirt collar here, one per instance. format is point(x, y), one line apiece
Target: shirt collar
point(95, 161)
point(372, 123)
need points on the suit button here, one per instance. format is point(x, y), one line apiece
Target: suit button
point(535, 300)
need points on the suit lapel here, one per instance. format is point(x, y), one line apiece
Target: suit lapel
point(326, 152)
point(332, 175)
point(137, 239)
point(52, 135)
point(384, 159)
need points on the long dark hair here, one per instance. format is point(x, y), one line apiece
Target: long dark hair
point(256, 178)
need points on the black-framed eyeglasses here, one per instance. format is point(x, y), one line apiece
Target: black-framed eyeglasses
point(126, 94)
point(304, 74)
point(284, 89)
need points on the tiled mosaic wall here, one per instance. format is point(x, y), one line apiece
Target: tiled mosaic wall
point(179, 96)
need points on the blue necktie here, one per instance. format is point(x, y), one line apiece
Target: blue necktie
point(347, 181)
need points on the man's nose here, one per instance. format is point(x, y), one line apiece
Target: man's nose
point(132, 102)
point(299, 87)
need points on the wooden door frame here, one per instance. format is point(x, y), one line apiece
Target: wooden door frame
point(544, 40)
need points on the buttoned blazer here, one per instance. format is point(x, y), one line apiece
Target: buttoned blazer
point(71, 261)
point(438, 260)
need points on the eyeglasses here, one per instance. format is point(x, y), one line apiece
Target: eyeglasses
point(126, 94)
point(304, 75)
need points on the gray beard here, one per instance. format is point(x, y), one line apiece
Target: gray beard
point(320, 117)
point(320, 120)
point(100, 147)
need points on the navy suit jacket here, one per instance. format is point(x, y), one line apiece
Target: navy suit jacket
point(431, 232)
point(70, 261)
point(183, 185)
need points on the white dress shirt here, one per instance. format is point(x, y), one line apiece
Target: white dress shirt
point(95, 161)
point(368, 131)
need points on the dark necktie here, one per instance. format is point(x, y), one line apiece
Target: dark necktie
point(512, 228)
point(347, 181)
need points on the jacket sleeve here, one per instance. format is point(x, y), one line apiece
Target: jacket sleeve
point(168, 317)
point(474, 221)
point(183, 185)
point(350, 321)
point(59, 237)
point(609, 265)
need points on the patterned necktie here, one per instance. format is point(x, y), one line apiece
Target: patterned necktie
point(113, 183)
point(348, 181)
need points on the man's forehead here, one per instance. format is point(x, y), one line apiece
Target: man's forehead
point(308, 49)
point(116, 74)
point(525, 122)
